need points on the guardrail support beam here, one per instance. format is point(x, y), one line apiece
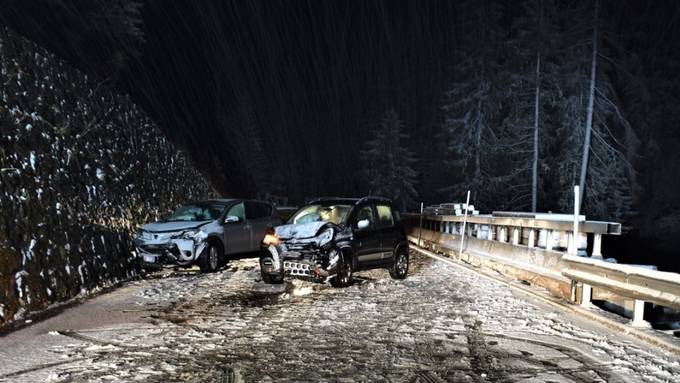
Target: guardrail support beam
point(502, 236)
point(597, 246)
point(549, 240)
point(515, 236)
point(586, 294)
point(532, 239)
point(639, 314)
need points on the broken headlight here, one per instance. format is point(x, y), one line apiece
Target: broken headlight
point(188, 234)
point(325, 237)
point(141, 234)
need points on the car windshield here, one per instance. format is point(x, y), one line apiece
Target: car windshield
point(320, 212)
point(196, 212)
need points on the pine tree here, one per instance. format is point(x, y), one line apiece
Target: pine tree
point(388, 164)
point(481, 143)
point(534, 67)
point(591, 123)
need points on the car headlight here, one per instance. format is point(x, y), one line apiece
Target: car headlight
point(270, 239)
point(325, 237)
point(189, 234)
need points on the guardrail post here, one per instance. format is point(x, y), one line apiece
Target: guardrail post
point(479, 232)
point(492, 233)
point(549, 240)
point(571, 243)
point(501, 236)
point(515, 236)
point(586, 293)
point(597, 246)
point(532, 238)
point(639, 314)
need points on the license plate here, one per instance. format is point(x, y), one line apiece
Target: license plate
point(149, 259)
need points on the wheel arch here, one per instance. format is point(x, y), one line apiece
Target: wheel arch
point(347, 252)
point(400, 245)
point(216, 241)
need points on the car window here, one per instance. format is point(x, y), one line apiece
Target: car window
point(256, 210)
point(237, 210)
point(385, 218)
point(396, 215)
point(266, 209)
point(196, 212)
point(366, 212)
point(320, 212)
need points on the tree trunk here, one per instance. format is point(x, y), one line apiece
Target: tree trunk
point(589, 117)
point(478, 154)
point(534, 168)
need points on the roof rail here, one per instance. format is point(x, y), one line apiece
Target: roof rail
point(374, 199)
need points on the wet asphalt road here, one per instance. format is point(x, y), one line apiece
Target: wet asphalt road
point(440, 324)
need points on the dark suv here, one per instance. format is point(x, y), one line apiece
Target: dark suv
point(330, 238)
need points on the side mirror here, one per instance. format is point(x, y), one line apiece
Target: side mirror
point(231, 219)
point(364, 223)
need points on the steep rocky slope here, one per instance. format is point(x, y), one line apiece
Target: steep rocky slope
point(80, 168)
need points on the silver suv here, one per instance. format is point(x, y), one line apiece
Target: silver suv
point(205, 232)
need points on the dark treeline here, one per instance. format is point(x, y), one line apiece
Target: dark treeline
point(426, 98)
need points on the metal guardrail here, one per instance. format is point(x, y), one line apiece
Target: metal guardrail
point(547, 231)
point(625, 281)
point(636, 283)
point(594, 227)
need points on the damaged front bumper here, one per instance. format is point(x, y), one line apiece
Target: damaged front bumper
point(170, 252)
point(305, 262)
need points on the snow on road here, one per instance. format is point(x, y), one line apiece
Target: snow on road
point(440, 324)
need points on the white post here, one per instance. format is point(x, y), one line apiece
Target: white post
point(639, 314)
point(502, 236)
point(491, 235)
point(479, 231)
point(515, 236)
point(597, 246)
point(420, 232)
point(462, 232)
point(549, 240)
point(532, 233)
point(586, 293)
point(573, 244)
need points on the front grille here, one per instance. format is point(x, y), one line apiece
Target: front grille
point(154, 249)
point(295, 268)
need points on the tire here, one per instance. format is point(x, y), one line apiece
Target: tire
point(271, 279)
point(344, 276)
point(209, 260)
point(399, 268)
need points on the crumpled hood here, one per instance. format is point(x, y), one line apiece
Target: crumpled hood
point(173, 226)
point(301, 230)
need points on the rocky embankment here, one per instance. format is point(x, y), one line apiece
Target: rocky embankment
point(80, 167)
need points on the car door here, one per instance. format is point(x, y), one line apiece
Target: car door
point(366, 240)
point(237, 235)
point(389, 231)
point(258, 216)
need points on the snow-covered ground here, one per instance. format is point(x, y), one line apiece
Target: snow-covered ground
point(440, 324)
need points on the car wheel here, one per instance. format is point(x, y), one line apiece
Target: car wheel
point(270, 278)
point(209, 260)
point(344, 276)
point(399, 269)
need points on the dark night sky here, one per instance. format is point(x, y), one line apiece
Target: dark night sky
point(314, 74)
point(312, 78)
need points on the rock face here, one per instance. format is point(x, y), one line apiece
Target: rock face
point(80, 168)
